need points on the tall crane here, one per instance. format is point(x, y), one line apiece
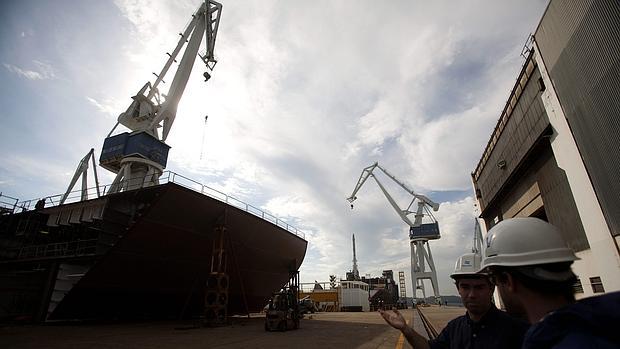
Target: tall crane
point(419, 232)
point(138, 158)
point(355, 271)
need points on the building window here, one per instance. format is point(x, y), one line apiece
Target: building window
point(541, 84)
point(577, 286)
point(597, 284)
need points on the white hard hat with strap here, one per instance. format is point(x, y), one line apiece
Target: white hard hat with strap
point(467, 265)
point(527, 241)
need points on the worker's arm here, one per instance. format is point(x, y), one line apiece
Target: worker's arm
point(396, 320)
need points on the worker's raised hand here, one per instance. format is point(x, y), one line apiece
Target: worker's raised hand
point(394, 318)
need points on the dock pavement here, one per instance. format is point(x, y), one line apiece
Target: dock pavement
point(319, 330)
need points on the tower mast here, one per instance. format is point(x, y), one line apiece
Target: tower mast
point(356, 273)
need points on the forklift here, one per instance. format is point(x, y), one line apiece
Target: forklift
point(283, 310)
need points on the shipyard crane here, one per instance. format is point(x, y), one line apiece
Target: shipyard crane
point(419, 232)
point(81, 171)
point(139, 157)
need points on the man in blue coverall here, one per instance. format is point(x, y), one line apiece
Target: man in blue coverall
point(482, 326)
point(530, 263)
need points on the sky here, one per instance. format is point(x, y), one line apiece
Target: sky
point(305, 94)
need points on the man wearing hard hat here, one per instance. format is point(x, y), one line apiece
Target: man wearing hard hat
point(530, 263)
point(482, 326)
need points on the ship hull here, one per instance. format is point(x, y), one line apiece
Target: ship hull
point(156, 248)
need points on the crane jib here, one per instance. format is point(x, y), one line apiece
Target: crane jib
point(418, 229)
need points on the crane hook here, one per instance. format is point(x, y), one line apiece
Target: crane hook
point(351, 206)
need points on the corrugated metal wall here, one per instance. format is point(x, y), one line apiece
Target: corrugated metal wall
point(579, 41)
point(511, 141)
point(557, 196)
point(540, 168)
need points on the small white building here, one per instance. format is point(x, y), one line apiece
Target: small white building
point(354, 296)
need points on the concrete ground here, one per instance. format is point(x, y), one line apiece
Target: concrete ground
point(324, 330)
point(320, 330)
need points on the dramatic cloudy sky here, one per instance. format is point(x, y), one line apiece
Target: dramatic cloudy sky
point(305, 95)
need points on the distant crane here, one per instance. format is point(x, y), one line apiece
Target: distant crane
point(139, 158)
point(355, 271)
point(477, 246)
point(419, 233)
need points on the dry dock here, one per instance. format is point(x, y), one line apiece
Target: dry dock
point(323, 330)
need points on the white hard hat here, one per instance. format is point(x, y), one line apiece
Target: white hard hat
point(467, 265)
point(525, 241)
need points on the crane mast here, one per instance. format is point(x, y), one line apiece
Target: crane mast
point(139, 157)
point(419, 232)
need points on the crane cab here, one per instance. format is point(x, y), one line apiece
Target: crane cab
point(428, 231)
point(136, 144)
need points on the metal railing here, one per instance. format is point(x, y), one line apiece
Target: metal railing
point(166, 177)
point(7, 203)
point(60, 249)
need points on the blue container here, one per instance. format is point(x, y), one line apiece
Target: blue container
point(139, 144)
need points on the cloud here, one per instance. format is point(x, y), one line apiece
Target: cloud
point(151, 28)
point(305, 95)
point(43, 71)
point(297, 109)
point(37, 171)
point(444, 149)
point(108, 107)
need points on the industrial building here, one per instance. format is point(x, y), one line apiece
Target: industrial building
point(383, 290)
point(555, 151)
